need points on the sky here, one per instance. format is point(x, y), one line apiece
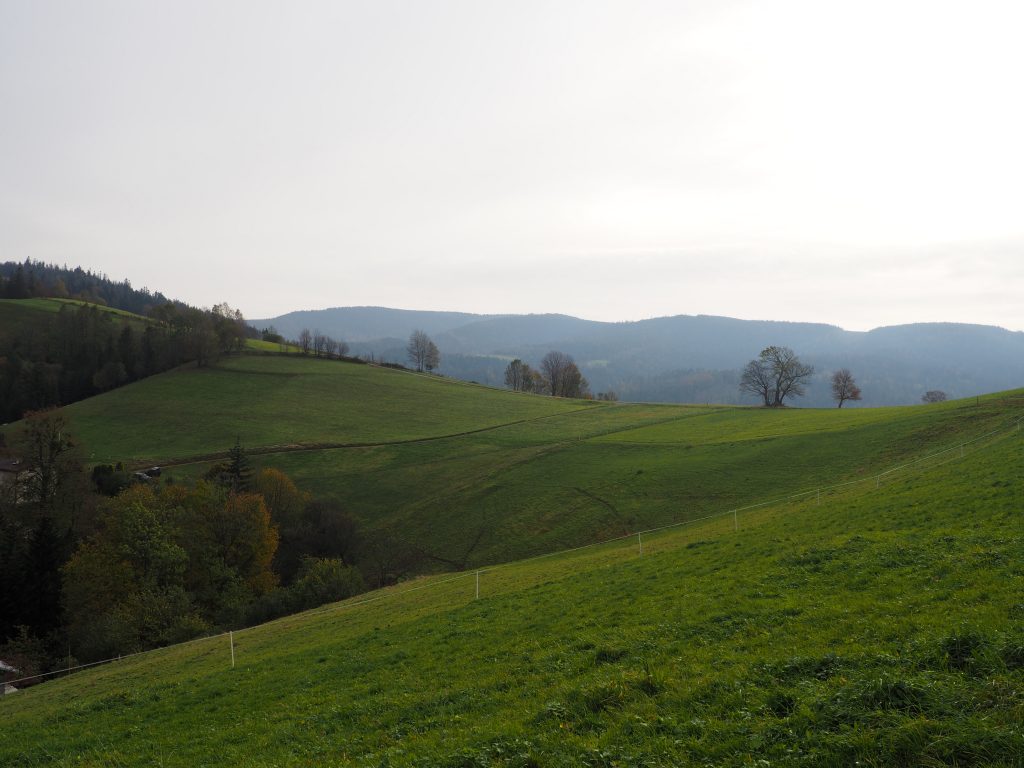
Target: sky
point(860, 164)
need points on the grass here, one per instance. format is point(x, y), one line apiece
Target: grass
point(258, 345)
point(20, 316)
point(878, 627)
point(286, 402)
point(481, 475)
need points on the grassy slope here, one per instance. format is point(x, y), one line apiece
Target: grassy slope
point(880, 626)
point(558, 474)
point(19, 315)
point(286, 401)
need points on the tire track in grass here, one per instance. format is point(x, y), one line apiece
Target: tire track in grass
point(299, 447)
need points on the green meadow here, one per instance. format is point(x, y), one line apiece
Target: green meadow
point(877, 625)
point(478, 475)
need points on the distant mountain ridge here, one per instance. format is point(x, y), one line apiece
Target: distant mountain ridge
point(688, 358)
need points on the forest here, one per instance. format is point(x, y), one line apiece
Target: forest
point(107, 563)
point(84, 349)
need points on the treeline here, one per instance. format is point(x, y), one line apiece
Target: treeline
point(34, 279)
point(83, 350)
point(113, 562)
point(558, 376)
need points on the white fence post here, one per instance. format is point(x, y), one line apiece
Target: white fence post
point(478, 585)
point(640, 541)
point(231, 640)
point(735, 520)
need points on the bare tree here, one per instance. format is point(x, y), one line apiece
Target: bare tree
point(562, 377)
point(555, 367)
point(319, 343)
point(343, 348)
point(757, 380)
point(774, 375)
point(933, 396)
point(330, 346)
point(518, 376)
point(574, 384)
point(433, 359)
point(423, 353)
point(844, 387)
point(305, 342)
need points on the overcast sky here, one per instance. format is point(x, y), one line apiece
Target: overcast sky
point(860, 164)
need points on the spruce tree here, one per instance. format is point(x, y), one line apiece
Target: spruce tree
point(239, 472)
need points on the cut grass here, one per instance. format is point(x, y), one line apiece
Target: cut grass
point(879, 627)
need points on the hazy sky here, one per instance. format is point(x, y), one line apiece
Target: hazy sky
point(854, 163)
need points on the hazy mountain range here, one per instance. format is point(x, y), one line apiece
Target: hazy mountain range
point(687, 358)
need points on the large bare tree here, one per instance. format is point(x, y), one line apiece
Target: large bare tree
point(844, 387)
point(555, 367)
point(775, 374)
point(562, 376)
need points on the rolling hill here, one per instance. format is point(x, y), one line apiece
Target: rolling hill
point(688, 358)
point(475, 475)
point(877, 622)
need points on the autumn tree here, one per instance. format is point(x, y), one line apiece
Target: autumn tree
point(125, 587)
point(844, 387)
point(284, 500)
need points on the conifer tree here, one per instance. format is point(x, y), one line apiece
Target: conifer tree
point(239, 472)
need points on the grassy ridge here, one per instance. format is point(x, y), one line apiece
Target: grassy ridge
point(286, 401)
point(545, 474)
point(880, 626)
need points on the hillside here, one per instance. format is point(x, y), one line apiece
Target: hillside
point(472, 474)
point(688, 358)
point(20, 317)
point(877, 624)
